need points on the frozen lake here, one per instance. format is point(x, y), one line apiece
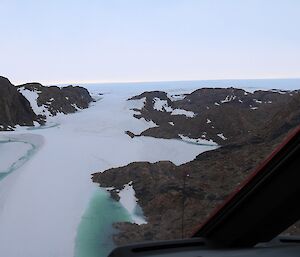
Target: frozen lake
point(49, 205)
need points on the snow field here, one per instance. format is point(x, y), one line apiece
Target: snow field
point(45, 199)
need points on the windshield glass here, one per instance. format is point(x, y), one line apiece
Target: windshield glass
point(124, 121)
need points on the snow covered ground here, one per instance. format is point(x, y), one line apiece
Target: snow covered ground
point(32, 97)
point(129, 201)
point(162, 105)
point(199, 141)
point(43, 202)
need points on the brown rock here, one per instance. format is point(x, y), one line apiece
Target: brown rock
point(14, 107)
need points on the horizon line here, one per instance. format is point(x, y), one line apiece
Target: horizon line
point(146, 81)
point(162, 81)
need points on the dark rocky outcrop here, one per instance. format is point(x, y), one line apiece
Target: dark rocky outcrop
point(159, 188)
point(14, 107)
point(129, 133)
point(59, 100)
point(227, 112)
point(212, 175)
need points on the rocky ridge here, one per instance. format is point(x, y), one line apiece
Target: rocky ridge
point(33, 103)
point(53, 100)
point(15, 109)
point(218, 114)
point(170, 194)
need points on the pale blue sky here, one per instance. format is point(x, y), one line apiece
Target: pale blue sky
point(67, 41)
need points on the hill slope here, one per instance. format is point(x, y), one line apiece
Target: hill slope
point(32, 103)
point(15, 109)
point(218, 114)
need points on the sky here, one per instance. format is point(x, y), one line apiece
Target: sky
point(77, 41)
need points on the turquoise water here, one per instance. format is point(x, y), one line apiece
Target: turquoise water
point(3, 175)
point(19, 162)
point(95, 231)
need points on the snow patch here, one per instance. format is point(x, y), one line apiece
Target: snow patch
point(283, 92)
point(109, 188)
point(228, 98)
point(32, 97)
point(50, 101)
point(162, 106)
point(76, 107)
point(222, 136)
point(199, 141)
point(189, 114)
point(130, 203)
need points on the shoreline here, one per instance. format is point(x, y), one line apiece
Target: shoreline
point(34, 141)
